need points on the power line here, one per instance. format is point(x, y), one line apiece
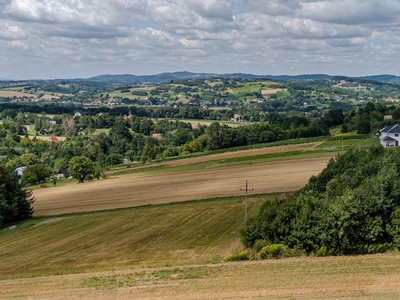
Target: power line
point(245, 202)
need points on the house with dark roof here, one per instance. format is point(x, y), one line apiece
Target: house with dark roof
point(390, 136)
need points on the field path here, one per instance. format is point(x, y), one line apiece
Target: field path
point(144, 188)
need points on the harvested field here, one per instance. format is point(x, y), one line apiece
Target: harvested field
point(159, 187)
point(270, 92)
point(353, 277)
point(16, 94)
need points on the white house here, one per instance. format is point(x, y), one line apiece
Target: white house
point(390, 136)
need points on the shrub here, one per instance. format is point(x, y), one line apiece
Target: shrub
point(273, 251)
point(323, 251)
point(259, 244)
point(244, 255)
point(378, 248)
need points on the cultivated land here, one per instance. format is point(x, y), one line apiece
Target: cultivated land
point(170, 183)
point(178, 250)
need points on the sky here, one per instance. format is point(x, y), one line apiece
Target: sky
point(47, 39)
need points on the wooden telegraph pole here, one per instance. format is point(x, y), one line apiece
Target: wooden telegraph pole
point(245, 202)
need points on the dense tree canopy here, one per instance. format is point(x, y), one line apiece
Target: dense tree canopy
point(352, 206)
point(15, 203)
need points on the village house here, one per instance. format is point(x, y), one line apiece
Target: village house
point(390, 136)
point(236, 118)
point(53, 139)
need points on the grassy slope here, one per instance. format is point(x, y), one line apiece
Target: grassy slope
point(182, 233)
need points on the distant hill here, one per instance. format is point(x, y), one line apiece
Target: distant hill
point(167, 77)
point(153, 79)
point(383, 78)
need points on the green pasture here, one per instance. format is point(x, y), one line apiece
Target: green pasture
point(282, 94)
point(197, 232)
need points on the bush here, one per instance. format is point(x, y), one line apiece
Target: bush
point(244, 255)
point(323, 251)
point(259, 244)
point(273, 251)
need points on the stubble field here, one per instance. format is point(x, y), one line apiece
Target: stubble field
point(171, 184)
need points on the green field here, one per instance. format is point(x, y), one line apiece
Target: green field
point(175, 234)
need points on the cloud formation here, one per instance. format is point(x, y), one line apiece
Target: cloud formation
point(82, 38)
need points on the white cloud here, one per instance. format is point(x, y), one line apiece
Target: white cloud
point(78, 38)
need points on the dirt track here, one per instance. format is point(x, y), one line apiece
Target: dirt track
point(143, 189)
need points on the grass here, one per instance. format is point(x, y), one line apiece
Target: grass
point(282, 94)
point(195, 232)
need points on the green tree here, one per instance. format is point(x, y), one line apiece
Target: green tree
point(15, 203)
point(81, 168)
point(35, 173)
point(29, 159)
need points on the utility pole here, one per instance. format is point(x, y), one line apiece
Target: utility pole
point(245, 202)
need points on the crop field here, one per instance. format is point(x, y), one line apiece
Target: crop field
point(135, 235)
point(269, 92)
point(7, 93)
point(183, 180)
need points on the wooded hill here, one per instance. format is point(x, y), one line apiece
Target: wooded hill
point(353, 206)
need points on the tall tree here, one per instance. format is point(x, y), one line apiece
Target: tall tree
point(15, 203)
point(81, 168)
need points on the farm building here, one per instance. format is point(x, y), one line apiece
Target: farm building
point(390, 136)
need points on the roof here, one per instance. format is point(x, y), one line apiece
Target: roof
point(388, 139)
point(53, 139)
point(391, 129)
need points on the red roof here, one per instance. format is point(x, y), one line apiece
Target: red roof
point(53, 139)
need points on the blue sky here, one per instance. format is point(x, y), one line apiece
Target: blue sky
point(83, 38)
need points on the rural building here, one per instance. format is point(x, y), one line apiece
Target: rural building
point(78, 113)
point(236, 118)
point(157, 135)
point(45, 131)
point(53, 139)
point(19, 171)
point(390, 136)
point(63, 173)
